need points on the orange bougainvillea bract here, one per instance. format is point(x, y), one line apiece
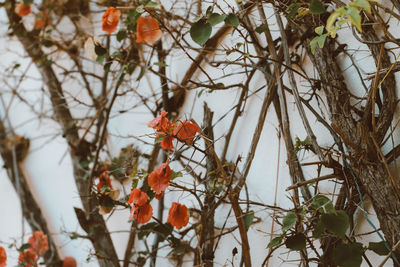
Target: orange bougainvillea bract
point(178, 215)
point(39, 242)
point(147, 30)
point(22, 10)
point(138, 197)
point(186, 131)
point(28, 257)
point(164, 129)
point(141, 213)
point(111, 20)
point(40, 20)
point(69, 262)
point(159, 179)
point(3, 257)
point(160, 123)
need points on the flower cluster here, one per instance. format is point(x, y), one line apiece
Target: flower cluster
point(23, 10)
point(141, 210)
point(147, 29)
point(3, 257)
point(167, 131)
point(38, 246)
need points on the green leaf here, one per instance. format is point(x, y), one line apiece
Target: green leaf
point(292, 9)
point(121, 35)
point(288, 221)
point(176, 175)
point(336, 223)
point(321, 40)
point(330, 23)
point(355, 17)
point(322, 204)
point(151, 4)
point(348, 255)
point(24, 246)
point(364, 4)
point(319, 30)
point(313, 44)
point(232, 20)
point(318, 230)
point(159, 138)
point(248, 219)
point(100, 51)
point(200, 32)
point(317, 7)
point(275, 242)
point(379, 248)
point(141, 73)
point(296, 242)
point(261, 28)
point(215, 19)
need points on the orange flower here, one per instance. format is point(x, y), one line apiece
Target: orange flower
point(39, 242)
point(29, 257)
point(22, 10)
point(3, 257)
point(69, 262)
point(147, 30)
point(166, 143)
point(160, 123)
point(186, 131)
point(138, 197)
point(159, 179)
point(178, 215)
point(111, 20)
point(141, 213)
point(40, 20)
point(104, 180)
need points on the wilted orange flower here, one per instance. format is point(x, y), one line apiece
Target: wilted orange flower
point(22, 10)
point(159, 179)
point(111, 20)
point(186, 131)
point(69, 262)
point(138, 197)
point(178, 215)
point(160, 123)
point(40, 20)
point(3, 257)
point(141, 213)
point(29, 257)
point(147, 30)
point(39, 242)
point(104, 180)
point(159, 196)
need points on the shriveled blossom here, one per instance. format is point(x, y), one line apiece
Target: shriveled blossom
point(159, 179)
point(39, 242)
point(111, 20)
point(3, 257)
point(142, 214)
point(178, 215)
point(28, 257)
point(40, 20)
point(147, 30)
point(186, 131)
point(138, 197)
point(22, 10)
point(159, 196)
point(104, 180)
point(69, 262)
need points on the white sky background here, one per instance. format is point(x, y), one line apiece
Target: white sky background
point(49, 169)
